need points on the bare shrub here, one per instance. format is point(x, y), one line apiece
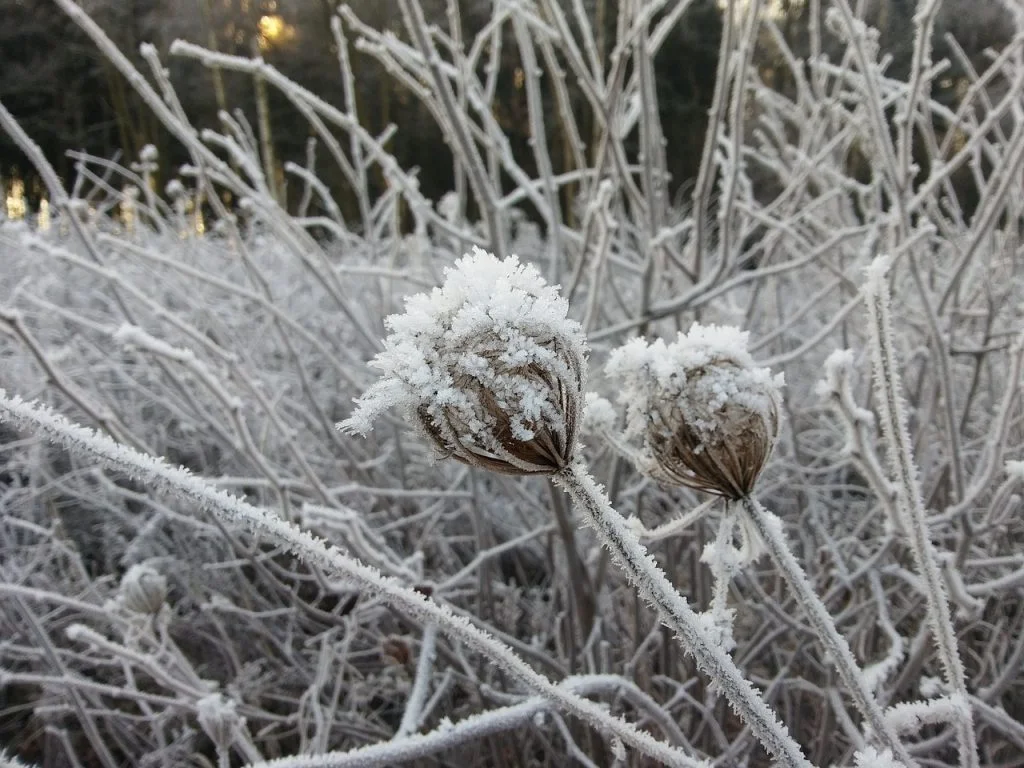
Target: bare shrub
point(303, 595)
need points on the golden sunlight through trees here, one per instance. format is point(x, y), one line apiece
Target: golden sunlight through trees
point(274, 31)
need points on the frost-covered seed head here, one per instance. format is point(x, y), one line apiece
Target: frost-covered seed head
point(143, 589)
point(707, 417)
point(488, 367)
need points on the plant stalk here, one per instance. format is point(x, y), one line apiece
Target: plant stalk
point(652, 584)
point(769, 528)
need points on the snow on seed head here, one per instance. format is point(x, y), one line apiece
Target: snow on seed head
point(706, 415)
point(488, 367)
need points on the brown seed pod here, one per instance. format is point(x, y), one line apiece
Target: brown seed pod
point(501, 450)
point(726, 463)
point(706, 416)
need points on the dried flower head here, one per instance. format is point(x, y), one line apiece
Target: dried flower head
point(706, 416)
point(488, 367)
point(143, 589)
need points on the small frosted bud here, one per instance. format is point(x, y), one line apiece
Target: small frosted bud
point(1015, 469)
point(869, 757)
point(219, 719)
point(488, 367)
point(143, 589)
point(448, 207)
point(838, 367)
point(598, 414)
point(706, 416)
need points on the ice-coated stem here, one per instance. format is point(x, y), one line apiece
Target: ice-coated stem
point(652, 584)
point(413, 716)
point(769, 528)
point(909, 500)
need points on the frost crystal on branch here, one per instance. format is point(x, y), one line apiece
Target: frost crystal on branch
point(489, 367)
point(706, 415)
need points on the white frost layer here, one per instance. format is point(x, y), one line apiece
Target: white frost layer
point(869, 757)
point(702, 371)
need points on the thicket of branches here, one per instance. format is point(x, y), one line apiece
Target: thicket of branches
point(68, 97)
point(147, 618)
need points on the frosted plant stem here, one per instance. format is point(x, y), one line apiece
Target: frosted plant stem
point(158, 475)
point(655, 588)
point(769, 528)
point(473, 729)
point(909, 500)
point(413, 715)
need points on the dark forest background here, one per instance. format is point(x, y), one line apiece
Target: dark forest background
point(69, 98)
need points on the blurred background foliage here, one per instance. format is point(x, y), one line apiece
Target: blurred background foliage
point(67, 97)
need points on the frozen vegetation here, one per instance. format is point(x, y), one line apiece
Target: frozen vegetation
point(560, 469)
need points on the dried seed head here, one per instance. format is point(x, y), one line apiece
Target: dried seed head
point(488, 367)
point(706, 416)
point(143, 589)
